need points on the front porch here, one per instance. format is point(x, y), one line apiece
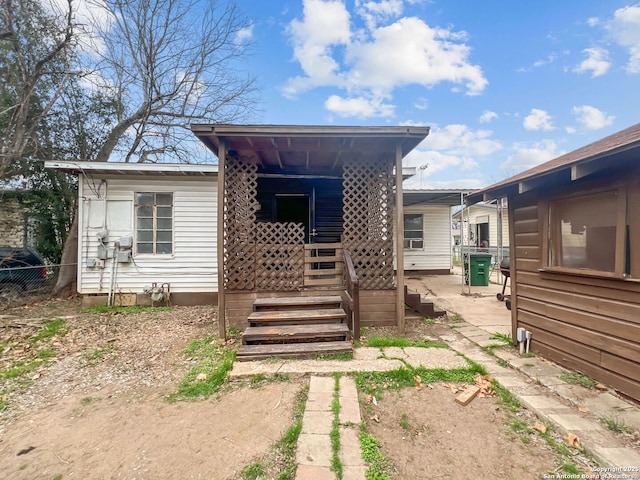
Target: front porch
point(298, 205)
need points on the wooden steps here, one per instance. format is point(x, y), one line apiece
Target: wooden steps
point(420, 305)
point(295, 317)
point(295, 327)
point(310, 333)
point(297, 303)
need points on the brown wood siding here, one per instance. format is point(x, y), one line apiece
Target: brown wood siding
point(590, 324)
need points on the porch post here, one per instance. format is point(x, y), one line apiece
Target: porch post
point(222, 327)
point(399, 242)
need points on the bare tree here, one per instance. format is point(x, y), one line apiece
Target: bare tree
point(167, 64)
point(171, 63)
point(36, 53)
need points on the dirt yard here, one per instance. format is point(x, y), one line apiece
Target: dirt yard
point(94, 406)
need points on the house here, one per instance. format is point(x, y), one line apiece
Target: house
point(428, 230)
point(574, 227)
point(13, 220)
point(146, 228)
point(485, 223)
point(298, 201)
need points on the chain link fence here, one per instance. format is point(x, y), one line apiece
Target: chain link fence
point(20, 285)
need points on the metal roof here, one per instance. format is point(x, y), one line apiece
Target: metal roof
point(120, 168)
point(433, 197)
point(615, 151)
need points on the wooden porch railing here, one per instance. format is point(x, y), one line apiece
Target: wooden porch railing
point(323, 265)
point(352, 296)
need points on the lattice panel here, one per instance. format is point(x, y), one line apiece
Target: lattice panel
point(368, 220)
point(279, 256)
point(241, 182)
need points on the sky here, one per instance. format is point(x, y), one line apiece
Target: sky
point(503, 85)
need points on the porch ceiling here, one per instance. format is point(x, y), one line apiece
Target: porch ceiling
point(295, 147)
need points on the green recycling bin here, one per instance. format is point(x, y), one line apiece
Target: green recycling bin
point(479, 268)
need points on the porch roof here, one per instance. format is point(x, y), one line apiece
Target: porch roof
point(291, 147)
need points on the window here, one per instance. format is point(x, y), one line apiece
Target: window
point(154, 223)
point(413, 231)
point(590, 232)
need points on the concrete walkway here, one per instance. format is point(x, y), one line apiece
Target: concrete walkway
point(535, 382)
point(314, 453)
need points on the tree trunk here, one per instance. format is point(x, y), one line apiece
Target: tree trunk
point(68, 269)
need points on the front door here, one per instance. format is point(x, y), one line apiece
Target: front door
point(297, 208)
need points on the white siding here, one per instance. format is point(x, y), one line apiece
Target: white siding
point(477, 214)
point(193, 265)
point(436, 255)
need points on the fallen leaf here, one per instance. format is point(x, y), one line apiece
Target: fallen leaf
point(583, 409)
point(417, 378)
point(375, 418)
point(201, 377)
point(368, 398)
point(601, 387)
point(540, 427)
point(373, 387)
point(572, 441)
point(454, 389)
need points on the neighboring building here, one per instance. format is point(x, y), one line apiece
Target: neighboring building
point(575, 258)
point(160, 218)
point(482, 224)
point(428, 233)
point(13, 221)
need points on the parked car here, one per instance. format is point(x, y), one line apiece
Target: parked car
point(21, 269)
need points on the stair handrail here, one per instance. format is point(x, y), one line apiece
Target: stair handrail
point(352, 292)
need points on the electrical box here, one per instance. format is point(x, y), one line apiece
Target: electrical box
point(123, 257)
point(126, 243)
point(103, 252)
point(91, 262)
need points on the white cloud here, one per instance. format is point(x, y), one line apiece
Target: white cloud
point(552, 57)
point(244, 35)
point(375, 12)
point(625, 30)
point(461, 140)
point(529, 155)
point(92, 18)
point(455, 148)
point(592, 118)
point(411, 52)
point(371, 62)
point(325, 25)
point(538, 120)
point(421, 104)
point(597, 62)
point(593, 21)
point(358, 107)
point(487, 116)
